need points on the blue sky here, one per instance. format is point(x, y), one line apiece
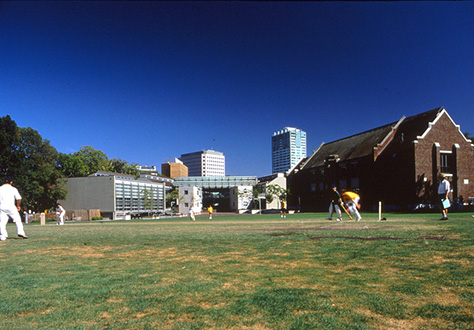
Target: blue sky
point(145, 81)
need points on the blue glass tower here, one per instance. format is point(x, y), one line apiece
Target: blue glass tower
point(288, 148)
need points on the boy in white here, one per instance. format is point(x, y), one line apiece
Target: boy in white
point(60, 212)
point(10, 202)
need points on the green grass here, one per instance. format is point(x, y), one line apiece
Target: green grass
point(242, 272)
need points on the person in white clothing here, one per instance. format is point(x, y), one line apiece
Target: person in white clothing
point(191, 212)
point(60, 212)
point(10, 204)
point(443, 194)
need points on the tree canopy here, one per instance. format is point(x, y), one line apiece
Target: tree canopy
point(31, 162)
point(37, 167)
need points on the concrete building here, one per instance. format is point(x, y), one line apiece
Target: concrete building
point(151, 170)
point(117, 196)
point(190, 197)
point(288, 148)
point(224, 193)
point(174, 168)
point(397, 164)
point(204, 163)
point(277, 179)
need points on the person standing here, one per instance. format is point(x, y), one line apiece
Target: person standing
point(210, 210)
point(192, 216)
point(335, 204)
point(443, 196)
point(283, 209)
point(60, 212)
point(351, 199)
point(10, 204)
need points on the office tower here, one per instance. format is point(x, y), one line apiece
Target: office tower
point(204, 163)
point(288, 148)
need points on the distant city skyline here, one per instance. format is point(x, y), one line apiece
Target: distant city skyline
point(144, 81)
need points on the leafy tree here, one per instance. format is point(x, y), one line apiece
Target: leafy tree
point(38, 175)
point(122, 166)
point(275, 191)
point(469, 136)
point(71, 166)
point(9, 138)
point(31, 162)
point(94, 160)
point(173, 199)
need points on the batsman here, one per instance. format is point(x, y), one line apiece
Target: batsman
point(352, 200)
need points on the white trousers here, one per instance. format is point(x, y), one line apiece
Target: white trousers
point(352, 207)
point(4, 216)
point(60, 217)
point(335, 207)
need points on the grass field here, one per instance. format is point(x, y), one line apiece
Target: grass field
point(242, 272)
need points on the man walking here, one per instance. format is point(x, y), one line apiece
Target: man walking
point(335, 205)
point(10, 203)
point(443, 196)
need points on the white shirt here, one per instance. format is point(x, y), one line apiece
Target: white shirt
point(8, 196)
point(60, 210)
point(443, 187)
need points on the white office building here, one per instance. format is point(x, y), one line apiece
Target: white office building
point(204, 163)
point(117, 196)
point(288, 148)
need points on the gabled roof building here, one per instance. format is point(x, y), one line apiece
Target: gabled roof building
point(397, 164)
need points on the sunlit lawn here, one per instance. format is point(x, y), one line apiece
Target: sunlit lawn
point(241, 272)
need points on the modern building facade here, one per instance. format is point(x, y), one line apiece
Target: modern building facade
point(151, 170)
point(397, 164)
point(117, 196)
point(224, 193)
point(288, 148)
point(204, 163)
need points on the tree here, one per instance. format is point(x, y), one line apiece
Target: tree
point(38, 175)
point(122, 166)
point(173, 199)
point(9, 138)
point(469, 136)
point(275, 191)
point(71, 166)
point(94, 160)
point(31, 162)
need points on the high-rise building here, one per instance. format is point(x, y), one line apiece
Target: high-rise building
point(288, 148)
point(204, 163)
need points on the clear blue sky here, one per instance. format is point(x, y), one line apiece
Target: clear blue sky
point(145, 81)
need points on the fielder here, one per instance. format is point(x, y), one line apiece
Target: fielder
point(10, 204)
point(283, 209)
point(351, 199)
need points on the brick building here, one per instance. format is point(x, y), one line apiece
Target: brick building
point(397, 164)
point(174, 168)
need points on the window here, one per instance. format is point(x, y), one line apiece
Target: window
point(446, 162)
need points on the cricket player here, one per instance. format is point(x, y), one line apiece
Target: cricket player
point(10, 204)
point(60, 212)
point(283, 209)
point(335, 205)
point(351, 199)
